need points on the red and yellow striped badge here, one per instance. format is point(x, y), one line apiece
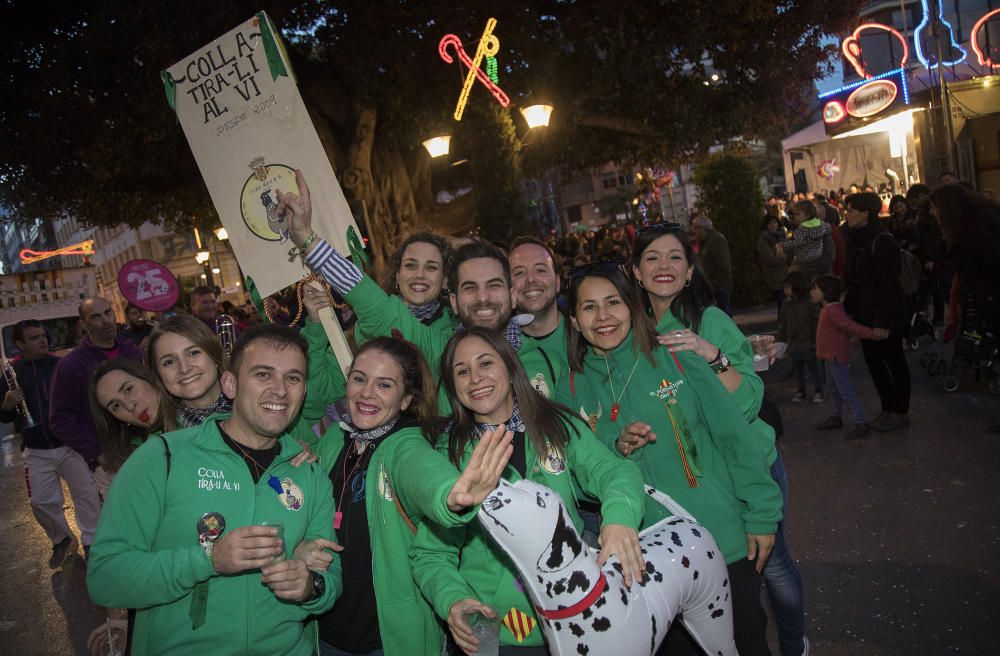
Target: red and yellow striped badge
point(519, 624)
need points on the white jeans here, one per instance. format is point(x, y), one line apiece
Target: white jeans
point(45, 469)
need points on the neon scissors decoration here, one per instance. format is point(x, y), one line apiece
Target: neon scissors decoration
point(488, 46)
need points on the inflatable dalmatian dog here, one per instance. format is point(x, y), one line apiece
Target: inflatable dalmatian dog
point(586, 609)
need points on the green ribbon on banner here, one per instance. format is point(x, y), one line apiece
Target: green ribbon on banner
point(258, 302)
point(170, 88)
point(357, 248)
point(271, 48)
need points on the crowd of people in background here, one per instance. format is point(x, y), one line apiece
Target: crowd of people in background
point(449, 390)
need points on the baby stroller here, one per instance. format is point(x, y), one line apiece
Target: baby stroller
point(920, 324)
point(975, 349)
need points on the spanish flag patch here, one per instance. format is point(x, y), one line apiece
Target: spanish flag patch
point(519, 624)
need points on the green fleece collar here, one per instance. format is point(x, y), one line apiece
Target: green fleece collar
point(811, 223)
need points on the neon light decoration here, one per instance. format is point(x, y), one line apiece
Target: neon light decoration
point(488, 46)
point(984, 59)
point(84, 248)
point(901, 72)
point(834, 112)
point(852, 47)
point(918, 37)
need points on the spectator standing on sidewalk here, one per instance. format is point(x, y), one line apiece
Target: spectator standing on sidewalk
point(811, 245)
point(797, 323)
point(48, 462)
point(875, 298)
point(833, 348)
point(70, 419)
point(772, 264)
point(716, 260)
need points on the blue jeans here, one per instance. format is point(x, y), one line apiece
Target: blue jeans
point(326, 649)
point(842, 389)
point(783, 581)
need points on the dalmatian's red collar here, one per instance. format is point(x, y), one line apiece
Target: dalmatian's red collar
point(578, 607)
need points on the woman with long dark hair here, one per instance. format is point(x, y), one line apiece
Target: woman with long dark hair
point(458, 569)
point(638, 395)
point(680, 300)
point(388, 480)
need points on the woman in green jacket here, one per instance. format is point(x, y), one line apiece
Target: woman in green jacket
point(637, 395)
point(682, 303)
point(388, 480)
point(459, 569)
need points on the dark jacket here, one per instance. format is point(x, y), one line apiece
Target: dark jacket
point(33, 378)
point(69, 411)
point(874, 296)
point(716, 260)
point(797, 322)
point(772, 265)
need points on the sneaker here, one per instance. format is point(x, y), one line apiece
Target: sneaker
point(818, 397)
point(799, 397)
point(830, 423)
point(59, 552)
point(893, 421)
point(858, 432)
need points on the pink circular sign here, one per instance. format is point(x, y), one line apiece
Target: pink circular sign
point(148, 285)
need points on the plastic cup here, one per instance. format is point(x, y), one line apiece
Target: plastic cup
point(487, 632)
point(281, 536)
point(761, 346)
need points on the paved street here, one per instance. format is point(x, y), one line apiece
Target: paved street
point(896, 536)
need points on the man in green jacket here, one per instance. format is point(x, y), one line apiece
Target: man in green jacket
point(482, 294)
point(198, 527)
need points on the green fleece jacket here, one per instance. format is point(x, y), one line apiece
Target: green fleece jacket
point(718, 328)
point(378, 314)
point(445, 322)
point(146, 553)
point(553, 349)
point(451, 564)
point(407, 465)
point(701, 457)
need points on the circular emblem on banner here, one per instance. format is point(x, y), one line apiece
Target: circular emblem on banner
point(148, 285)
point(259, 199)
point(871, 98)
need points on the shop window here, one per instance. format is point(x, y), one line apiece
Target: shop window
point(609, 181)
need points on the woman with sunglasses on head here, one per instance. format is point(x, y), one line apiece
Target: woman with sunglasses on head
point(387, 480)
point(459, 570)
point(682, 304)
point(668, 412)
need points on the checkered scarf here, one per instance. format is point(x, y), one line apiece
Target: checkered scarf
point(187, 416)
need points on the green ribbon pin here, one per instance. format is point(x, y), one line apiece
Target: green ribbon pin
point(170, 88)
point(272, 48)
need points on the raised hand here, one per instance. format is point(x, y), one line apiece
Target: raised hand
point(483, 470)
point(297, 209)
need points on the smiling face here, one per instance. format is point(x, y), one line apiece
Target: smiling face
point(601, 314)
point(482, 382)
point(129, 399)
point(534, 278)
point(267, 390)
point(375, 390)
point(421, 273)
point(187, 371)
point(663, 269)
point(483, 297)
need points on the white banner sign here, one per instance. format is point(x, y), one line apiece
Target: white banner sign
point(249, 130)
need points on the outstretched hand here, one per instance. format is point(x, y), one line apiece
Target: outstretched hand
point(483, 470)
point(314, 553)
point(297, 209)
point(623, 541)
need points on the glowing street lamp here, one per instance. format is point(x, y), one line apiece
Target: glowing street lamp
point(438, 146)
point(201, 257)
point(537, 116)
point(221, 234)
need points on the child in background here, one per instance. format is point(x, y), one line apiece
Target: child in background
point(797, 323)
point(833, 346)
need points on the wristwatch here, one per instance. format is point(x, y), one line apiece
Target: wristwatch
point(720, 364)
point(319, 586)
